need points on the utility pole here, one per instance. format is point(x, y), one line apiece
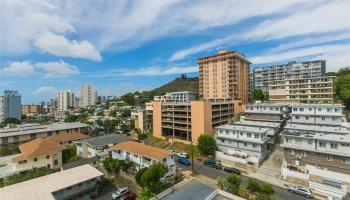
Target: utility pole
point(192, 155)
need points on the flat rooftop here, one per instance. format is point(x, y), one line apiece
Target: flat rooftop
point(319, 136)
point(41, 188)
point(317, 105)
point(243, 128)
point(316, 128)
point(37, 128)
point(105, 140)
point(267, 104)
point(258, 123)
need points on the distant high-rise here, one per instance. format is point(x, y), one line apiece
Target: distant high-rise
point(262, 76)
point(65, 99)
point(224, 75)
point(88, 95)
point(10, 105)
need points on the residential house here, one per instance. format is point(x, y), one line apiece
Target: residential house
point(144, 155)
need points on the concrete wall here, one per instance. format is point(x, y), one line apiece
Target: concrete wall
point(41, 162)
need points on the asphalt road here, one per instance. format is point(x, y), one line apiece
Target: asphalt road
point(212, 173)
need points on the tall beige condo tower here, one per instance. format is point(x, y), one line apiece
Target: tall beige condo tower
point(88, 95)
point(224, 76)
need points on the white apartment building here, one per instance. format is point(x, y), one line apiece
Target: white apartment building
point(88, 95)
point(292, 70)
point(99, 146)
point(237, 143)
point(144, 155)
point(321, 160)
point(302, 90)
point(317, 114)
point(2, 109)
point(270, 112)
point(76, 183)
point(183, 96)
point(65, 99)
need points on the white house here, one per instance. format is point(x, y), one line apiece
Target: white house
point(143, 155)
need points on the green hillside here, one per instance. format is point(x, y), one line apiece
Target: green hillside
point(178, 84)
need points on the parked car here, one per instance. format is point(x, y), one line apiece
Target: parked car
point(232, 170)
point(300, 190)
point(337, 198)
point(119, 192)
point(128, 196)
point(183, 155)
point(183, 161)
point(213, 164)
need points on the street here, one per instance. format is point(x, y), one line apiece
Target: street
point(212, 173)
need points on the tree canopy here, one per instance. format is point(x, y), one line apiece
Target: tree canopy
point(207, 145)
point(150, 177)
point(128, 98)
point(258, 94)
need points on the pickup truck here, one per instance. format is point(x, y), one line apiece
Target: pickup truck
point(300, 190)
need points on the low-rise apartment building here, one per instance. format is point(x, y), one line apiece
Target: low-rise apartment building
point(75, 183)
point(44, 152)
point(303, 90)
point(17, 134)
point(99, 146)
point(243, 144)
point(322, 160)
point(144, 155)
point(31, 110)
point(186, 121)
point(143, 120)
point(267, 112)
point(318, 114)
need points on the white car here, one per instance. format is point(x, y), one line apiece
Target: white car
point(183, 155)
point(119, 192)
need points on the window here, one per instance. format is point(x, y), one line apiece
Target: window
point(323, 118)
point(35, 159)
point(256, 135)
point(301, 109)
point(287, 140)
point(69, 188)
point(22, 162)
point(249, 135)
point(164, 159)
point(307, 118)
point(255, 145)
point(222, 140)
point(329, 110)
point(47, 157)
point(55, 162)
point(298, 141)
point(295, 109)
point(4, 140)
point(296, 117)
point(321, 144)
point(334, 146)
point(241, 133)
point(329, 157)
point(346, 161)
point(319, 109)
point(49, 133)
point(245, 144)
point(310, 109)
point(309, 141)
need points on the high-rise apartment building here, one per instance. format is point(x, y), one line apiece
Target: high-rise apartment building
point(88, 95)
point(10, 105)
point(292, 70)
point(65, 99)
point(303, 90)
point(224, 75)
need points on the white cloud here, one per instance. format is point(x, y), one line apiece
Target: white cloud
point(337, 55)
point(58, 45)
point(326, 18)
point(23, 20)
point(57, 69)
point(45, 90)
point(18, 69)
point(149, 71)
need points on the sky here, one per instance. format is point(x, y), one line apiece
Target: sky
point(123, 46)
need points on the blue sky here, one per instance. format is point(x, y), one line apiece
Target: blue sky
point(124, 46)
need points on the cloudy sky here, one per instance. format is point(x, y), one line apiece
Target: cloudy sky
point(123, 45)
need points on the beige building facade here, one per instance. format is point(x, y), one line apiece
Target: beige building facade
point(186, 121)
point(30, 110)
point(303, 90)
point(224, 75)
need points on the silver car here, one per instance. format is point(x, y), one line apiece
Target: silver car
point(300, 190)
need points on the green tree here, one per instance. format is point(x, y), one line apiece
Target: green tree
point(126, 165)
point(253, 185)
point(17, 178)
point(9, 150)
point(11, 120)
point(70, 154)
point(128, 98)
point(207, 145)
point(71, 118)
point(230, 184)
point(138, 176)
point(151, 177)
point(342, 87)
point(146, 194)
point(258, 94)
point(126, 113)
point(113, 113)
point(86, 121)
point(111, 165)
point(100, 113)
point(267, 189)
point(99, 122)
point(111, 124)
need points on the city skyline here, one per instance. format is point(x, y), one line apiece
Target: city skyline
point(130, 47)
